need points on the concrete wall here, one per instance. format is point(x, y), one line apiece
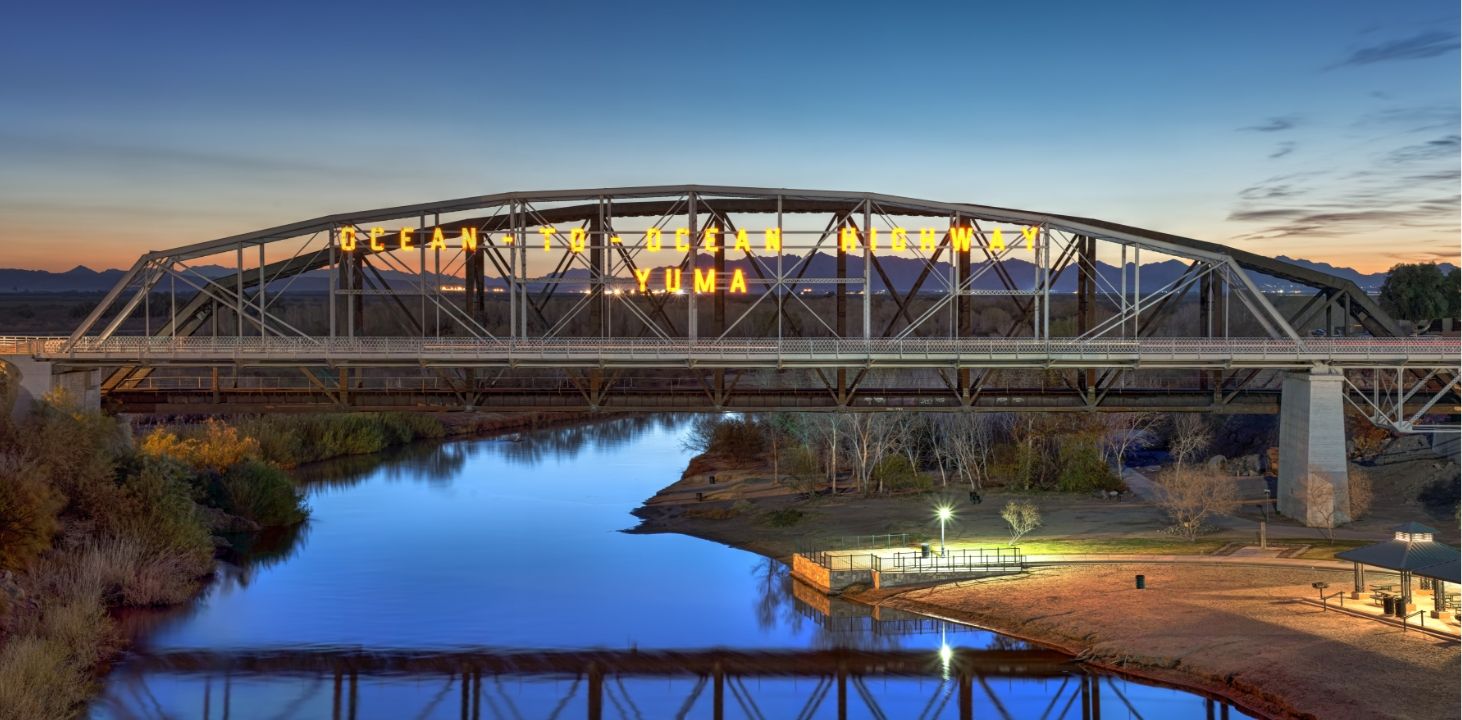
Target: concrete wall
point(1314, 479)
point(38, 379)
point(811, 573)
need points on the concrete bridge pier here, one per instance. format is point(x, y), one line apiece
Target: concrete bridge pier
point(38, 378)
point(1314, 481)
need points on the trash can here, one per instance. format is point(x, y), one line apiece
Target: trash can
point(1141, 582)
point(1388, 605)
point(712, 479)
point(1400, 607)
point(700, 496)
point(924, 550)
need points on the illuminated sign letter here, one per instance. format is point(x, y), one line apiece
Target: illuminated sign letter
point(644, 277)
point(672, 279)
point(705, 283)
point(403, 239)
point(848, 239)
point(962, 236)
point(376, 233)
point(997, 240)
point(711, 231)
point(652, 240)
point(774, 239)
point(926, 239)
point(547, 233)
point(900, 240)
point(347, 238)
point(438, 240)
point(1029, 233)
point(682, 239)
point(577, 238)
point(469, 239)
point(738, 281)
point(742, 243)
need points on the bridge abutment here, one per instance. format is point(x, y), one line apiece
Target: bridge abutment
point(39, 378)
point(1314, 481)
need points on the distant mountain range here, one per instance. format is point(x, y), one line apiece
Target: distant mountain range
point(902, 274)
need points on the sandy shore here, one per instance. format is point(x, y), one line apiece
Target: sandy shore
point(1235, 632)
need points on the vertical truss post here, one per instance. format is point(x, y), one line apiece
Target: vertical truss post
point(333, 268)
point(596, 692)
point(597, 293)
point(867, 269)
point(718, 692)
point(963, 317)
point(695, 242)
point(840, 303)
point(1086, 283)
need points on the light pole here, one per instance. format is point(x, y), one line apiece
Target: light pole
point(944, 512)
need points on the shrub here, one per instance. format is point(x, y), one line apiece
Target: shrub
point(786, 517)
point(1021, 516)
point(732, 437)
point(215, 446)
point(156, 507)
point(896, 473)
point(29, 509)
point(1082, 468)
point(258, 492)
point(1192, 494)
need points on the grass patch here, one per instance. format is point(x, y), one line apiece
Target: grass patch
point(1326, 551)
point(1103, 546)
point(786, 517)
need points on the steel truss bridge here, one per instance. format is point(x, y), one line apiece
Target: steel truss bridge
point(815, 683)
point(560, 305)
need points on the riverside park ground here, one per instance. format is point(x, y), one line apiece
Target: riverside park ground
point(1218, 615)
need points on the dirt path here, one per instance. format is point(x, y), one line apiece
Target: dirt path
point(1235, 632)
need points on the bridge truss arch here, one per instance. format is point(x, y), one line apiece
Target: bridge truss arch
point(808, 300)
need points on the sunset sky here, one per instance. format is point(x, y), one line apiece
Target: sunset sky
point(1323, 130)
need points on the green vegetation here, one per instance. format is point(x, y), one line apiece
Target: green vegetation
point(785, 517)
point(1418, 292)
point(290, 440)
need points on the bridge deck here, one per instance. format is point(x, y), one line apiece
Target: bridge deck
point(741, 352)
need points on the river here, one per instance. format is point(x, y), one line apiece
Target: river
point(505, 549)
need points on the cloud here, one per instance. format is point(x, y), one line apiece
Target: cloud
point(1442, 147)
point(56, 149)
point(1423, 45)
point(1420, 118)
point(1274, 124)
point(1283, 149)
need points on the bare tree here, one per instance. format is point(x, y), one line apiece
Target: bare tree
point(1188, 437)
point(968, 439)
point(1022, 516)
point(870, 437)
point(913, 432)
point(822, 431)
point(1126, 432)
point(1191, 495)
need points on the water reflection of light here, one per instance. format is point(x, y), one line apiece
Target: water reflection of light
point(946, 653)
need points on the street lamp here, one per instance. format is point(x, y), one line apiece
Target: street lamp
point(944, 512)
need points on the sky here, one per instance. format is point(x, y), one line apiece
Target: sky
point(1323, 130)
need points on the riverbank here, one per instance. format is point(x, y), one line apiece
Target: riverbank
point(97, 517)
point(1235, 632)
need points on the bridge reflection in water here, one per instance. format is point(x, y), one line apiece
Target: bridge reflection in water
point(355, 683)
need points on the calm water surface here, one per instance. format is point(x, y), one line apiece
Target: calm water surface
point(499, 546)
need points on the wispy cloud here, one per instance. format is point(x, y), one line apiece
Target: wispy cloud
point(1274, 124)
point(1422, 45)
point(1283, 149)
point(54, 149)
point(1442, 147)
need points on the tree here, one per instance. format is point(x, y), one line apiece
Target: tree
point(1126, 432)
point(1417, 292)
point(1191, 495)
point(870, 437)
point(1022, 516)
point(1454, 293)
point(968, 439)
point(1188, 437)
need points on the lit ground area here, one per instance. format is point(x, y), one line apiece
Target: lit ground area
point(1240, 631)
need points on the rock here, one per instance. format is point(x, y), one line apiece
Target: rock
point(1246, 465)
point(1217, 462)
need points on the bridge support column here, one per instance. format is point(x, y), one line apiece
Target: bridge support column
point(1314, 484)
point(38, 378)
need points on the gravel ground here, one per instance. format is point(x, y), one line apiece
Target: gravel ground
point(1231, 631)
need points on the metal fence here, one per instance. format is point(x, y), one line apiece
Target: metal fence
point(965, 560)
